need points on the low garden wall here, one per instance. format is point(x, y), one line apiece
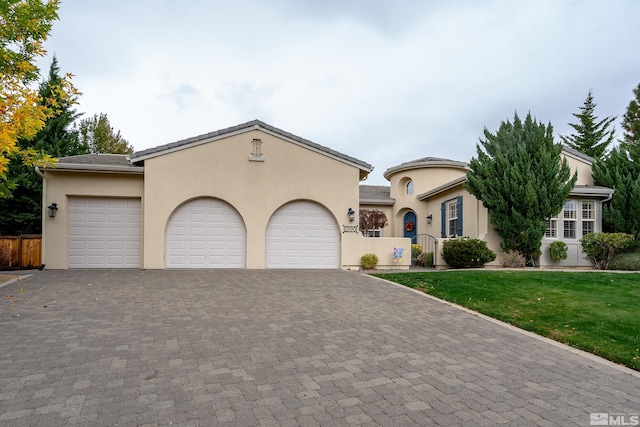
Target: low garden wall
point(356, 245)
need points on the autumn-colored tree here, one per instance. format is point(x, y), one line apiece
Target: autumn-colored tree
point(370, 220)
point(97, 136)
point(25, 25)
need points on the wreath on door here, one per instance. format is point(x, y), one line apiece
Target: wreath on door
point(409, 226)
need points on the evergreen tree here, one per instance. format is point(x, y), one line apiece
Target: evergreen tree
point(22, 211)
point(592, 137)
point(521, 178)
point(620, 170)
point(631, 120)
point(97, 136)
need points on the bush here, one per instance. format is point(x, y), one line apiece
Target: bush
point(628, 261)
point(416, 250)
point(6, 255)
point(599, 248)
point(369, 261)
point(513, 259)
point(558, 251)
point(467, 253)
point(425, 259)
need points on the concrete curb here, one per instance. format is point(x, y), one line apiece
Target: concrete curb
point(15, 280)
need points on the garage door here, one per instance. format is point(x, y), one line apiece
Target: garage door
point(205, 233)
point(104, 233)
point(303, 235)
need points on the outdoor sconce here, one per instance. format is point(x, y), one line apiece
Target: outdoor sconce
point(352, 215)
point(429, 218)
point(53, 208)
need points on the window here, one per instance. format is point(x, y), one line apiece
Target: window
point(451, 212)
point(374, 233)
point(452, 218)
point(409, 187)
point(588, 217)
point(577, 219)
point(552, 228)
point(570, 216)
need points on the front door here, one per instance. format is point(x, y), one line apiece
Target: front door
point(410, 226)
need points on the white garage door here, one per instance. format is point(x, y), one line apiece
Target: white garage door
point(205, 233)
point(104, 233)
point(303, 235)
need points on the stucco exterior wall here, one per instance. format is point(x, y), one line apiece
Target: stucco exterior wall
point(256, 189)
point(354, 246)
point(59, 186)
point(583, 168)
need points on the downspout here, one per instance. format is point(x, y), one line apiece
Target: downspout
point(42, 248)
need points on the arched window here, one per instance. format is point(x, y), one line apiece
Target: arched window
point(409, 187)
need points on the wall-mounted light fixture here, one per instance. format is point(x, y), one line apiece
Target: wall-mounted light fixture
point(352, 215)
point(53, 208)
point(429, 218)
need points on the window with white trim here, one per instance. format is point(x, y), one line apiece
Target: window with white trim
point(552, 228)
point(576, 219)
point(570, 216)
point(588, 217)
point(409, 187)
point(452, 218)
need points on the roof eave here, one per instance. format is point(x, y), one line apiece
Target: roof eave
point(389, 202)
point(441, 189)
point(77, 167)
point(428, 164)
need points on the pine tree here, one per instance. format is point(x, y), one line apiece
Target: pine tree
point(592, 137)
point(631, 120)
point(521, 178)
point(22, 211)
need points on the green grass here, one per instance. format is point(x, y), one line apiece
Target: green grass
point(594, 311)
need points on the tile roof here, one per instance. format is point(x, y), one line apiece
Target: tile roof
point(98, 159)
point(576, 153)
point(375, 194)
point(151, 152)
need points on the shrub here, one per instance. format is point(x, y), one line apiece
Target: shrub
point(465, 253)
point(369, 261)
point(628, 261)
point(425, 259)
point(558, 251)
point(599, 248)
point(416, 250)
point(513, 259)
point(6, 255)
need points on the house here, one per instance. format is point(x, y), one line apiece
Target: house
point(426, 202)
point(249, 196)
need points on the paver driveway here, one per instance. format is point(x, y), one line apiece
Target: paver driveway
point(302, 348)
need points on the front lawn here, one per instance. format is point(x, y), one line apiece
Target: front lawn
point(593, 311)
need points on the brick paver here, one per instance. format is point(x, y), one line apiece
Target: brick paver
point(277, 348)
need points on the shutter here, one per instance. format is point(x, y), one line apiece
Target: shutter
point(443, 219)
point(459, 208)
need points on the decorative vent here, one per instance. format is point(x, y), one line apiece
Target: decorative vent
point(256, 152)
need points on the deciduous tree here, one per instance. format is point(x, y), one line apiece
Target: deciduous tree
point(25, 25)
point(521, 178)
point(371, 219)
point(592, 136)
point(21, 212)
point(97, 136)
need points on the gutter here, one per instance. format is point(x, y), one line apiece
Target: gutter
point(76, 167)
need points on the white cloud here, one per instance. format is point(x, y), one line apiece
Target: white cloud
point(382, 81)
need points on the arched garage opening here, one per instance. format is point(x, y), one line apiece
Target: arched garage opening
point(303, 234)
point(205, 233)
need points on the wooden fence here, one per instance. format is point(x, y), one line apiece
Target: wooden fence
point(18, 252)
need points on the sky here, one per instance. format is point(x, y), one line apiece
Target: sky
point(385, 81)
